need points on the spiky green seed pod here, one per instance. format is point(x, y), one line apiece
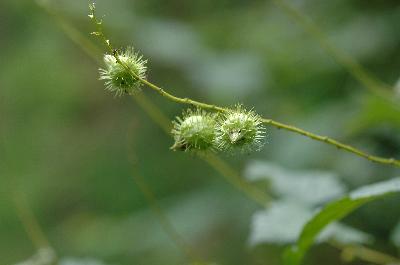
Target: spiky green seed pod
point(117, 78)
point(194, 131)
point(240, 130)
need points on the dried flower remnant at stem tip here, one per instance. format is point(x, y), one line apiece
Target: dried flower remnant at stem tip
point(99, 33)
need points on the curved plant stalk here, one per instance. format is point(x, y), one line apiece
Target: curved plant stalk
point(163, 219)
point(160, 119)
point(29, 222)
point(45, 252)
point(187, 101)
point(351, 252)
point(352, 66)
point(231, 176)
point(219, 165)
point(227, 172)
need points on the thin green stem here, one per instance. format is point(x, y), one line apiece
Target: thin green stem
point(86, 45)
point(162, 217)
point(34, 230)
point(219, 165)
point(351, 65)
point(161, 120)
point(337, 144)
point(30, 223)
point(151, 198)
point(158, 116)
point(153, 111)
point(188, 101)
point(232, 177)
point(350, 252)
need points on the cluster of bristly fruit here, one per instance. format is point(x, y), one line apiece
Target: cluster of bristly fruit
point(235, 129)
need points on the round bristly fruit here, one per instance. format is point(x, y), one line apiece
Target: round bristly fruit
point(194, 131)
point(118, 78)
point(240, 130)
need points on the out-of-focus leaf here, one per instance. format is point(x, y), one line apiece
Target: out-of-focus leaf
point(280, 223)
point(337, 210)
point(283, 221)
point(296, 185)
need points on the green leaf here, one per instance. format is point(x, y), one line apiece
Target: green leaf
point(282, 222)
point(295, 185)
point(335, 211)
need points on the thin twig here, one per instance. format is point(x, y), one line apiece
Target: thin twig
point(232, 177)
point(166, 224)
point(226, 171)
point(350, 252)
point(29, 222)
point(161, 120)
point(86, 45)
point(152, 200)
point(157, 115)
point(188, 101)
point(45, 252)
point(351, 65)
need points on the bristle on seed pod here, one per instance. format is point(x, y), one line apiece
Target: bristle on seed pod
point(240, 130)
point(195, 130)
point(118, 79)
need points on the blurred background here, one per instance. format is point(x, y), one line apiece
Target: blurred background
point(73, 154)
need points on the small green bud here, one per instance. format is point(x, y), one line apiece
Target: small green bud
point(118, 79)
point(194, 131)
point(240, 130)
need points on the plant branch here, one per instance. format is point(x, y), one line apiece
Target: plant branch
point(160, 119)
point(188, 101)
point(231, 176)
point(45, 252)
point(350, 252)
point(352, 66)
point(29, 222)
point(164, 123)
point(227, 172)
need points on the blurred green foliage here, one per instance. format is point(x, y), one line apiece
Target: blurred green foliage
point(71, 149)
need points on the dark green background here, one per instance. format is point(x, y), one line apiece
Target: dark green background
point(66, 143)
